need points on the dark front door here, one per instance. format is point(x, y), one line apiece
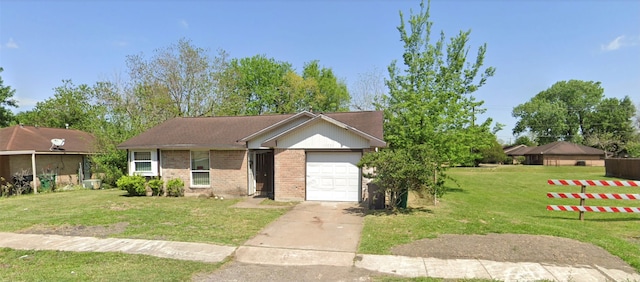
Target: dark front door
point(264, 174)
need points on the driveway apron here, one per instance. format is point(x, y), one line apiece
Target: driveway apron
point(317, 226)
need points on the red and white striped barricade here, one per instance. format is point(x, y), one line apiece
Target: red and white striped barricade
point(583, 196)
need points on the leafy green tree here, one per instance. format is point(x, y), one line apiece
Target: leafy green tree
point(494, 154)
point(577, 111)
point(524, 140)
point(560, 112)
point(253, 86)
point(70, 106)
point(331, 94)
point(612, 119)
point(6, 95)
point(257, 85)
point(430, 104)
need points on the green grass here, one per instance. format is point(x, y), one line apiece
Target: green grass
point(176, 219)
point(511, 199)
point(19, 265)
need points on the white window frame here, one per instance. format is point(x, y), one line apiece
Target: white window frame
point(204, 170)
point(153, 161)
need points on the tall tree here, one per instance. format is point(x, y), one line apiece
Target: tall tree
point(69, 106)
point(181, 79)
point(6, 95)
point(577, 111)
point(331, 95)
point(258, 85)
point(253, 86)
point(368, 90)
point(430, 109)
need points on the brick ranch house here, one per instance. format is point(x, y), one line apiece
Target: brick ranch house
point(292, 157)
point(562, 153)
point(31, 148)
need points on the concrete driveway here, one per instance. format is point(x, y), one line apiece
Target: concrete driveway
point(321, 226)
point(312, 233)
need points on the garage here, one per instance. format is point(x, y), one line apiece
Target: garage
point(333, 176)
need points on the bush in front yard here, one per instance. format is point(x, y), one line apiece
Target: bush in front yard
point(135, 185)
point(156, 186)
point(175, 188)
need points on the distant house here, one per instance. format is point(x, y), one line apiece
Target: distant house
point(39, 150)
point(515, 151)
point(292, 157)
point(562, 153)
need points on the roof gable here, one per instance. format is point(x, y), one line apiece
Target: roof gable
point(373, 141)
point(31, 138)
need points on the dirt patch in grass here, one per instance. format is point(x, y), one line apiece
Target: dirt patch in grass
point(513, 248)
point(78, 230)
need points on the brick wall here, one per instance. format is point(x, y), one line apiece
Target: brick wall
point(570, 160)
point(290, 175)
point(66, 166)
point(229, 172)
point(175, 164)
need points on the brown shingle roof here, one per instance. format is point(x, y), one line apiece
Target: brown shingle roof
point(27, 138)
point(226, 132)
point(519, 150)
point(564, 148)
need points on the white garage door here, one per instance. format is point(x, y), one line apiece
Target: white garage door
point(333, 176)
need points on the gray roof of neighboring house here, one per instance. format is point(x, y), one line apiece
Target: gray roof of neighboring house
point(227, 131)
point(31, 138)
point(563, 148)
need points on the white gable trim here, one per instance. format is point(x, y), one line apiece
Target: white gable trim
point(373, 141)
point(278, 124)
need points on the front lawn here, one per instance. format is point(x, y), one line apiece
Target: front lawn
point(511, 199)
point(29, 265)
point(187, 219)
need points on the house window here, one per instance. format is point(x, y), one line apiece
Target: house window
point(142, 162)
point(200, 168)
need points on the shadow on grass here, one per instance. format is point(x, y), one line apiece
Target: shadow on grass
point(408, 210)
point(456, 190)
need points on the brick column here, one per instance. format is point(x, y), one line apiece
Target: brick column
point(290, 175)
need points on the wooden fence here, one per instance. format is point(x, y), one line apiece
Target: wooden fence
point(623, 168)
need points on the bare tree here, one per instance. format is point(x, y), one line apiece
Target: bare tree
point(368, 90)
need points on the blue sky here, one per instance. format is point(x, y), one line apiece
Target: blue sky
point(532, 44)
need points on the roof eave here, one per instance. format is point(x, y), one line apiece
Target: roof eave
point(277, 124)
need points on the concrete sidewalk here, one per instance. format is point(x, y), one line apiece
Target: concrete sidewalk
point(395, 265)
point(165, 249)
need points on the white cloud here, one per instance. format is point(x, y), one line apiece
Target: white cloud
point(620, 42)
point(11, 44)
point(121, 43)
point(184, 24)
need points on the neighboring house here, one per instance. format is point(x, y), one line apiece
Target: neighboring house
point(293, 157)
point(563, 153)
point(41, 150)
point(515, 151)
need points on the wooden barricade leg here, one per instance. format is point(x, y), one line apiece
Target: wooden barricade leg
point(582, 200)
